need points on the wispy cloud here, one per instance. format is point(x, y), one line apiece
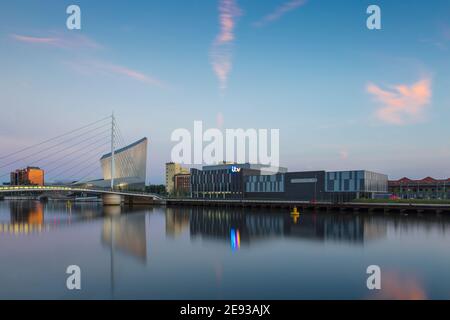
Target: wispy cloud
point(221, 51)
point(440, 39)
point(445, 31)
point(66, 41)
point(94, 66)
point(87, 66)
point(402, 104)
point(280, 11)
point(30, 39)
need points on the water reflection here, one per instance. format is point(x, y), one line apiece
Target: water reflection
point(126, 234)
point(235, 226)
point(177, 221)
point(237, 248)
point(254, 226)
point(398, 285)
point(30, 213)
point(29, 217)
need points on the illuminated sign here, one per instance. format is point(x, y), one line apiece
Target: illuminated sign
point(235, 169)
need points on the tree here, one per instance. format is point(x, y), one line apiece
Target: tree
point(156, 188)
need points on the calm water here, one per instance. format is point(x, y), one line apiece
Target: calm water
point(197, 253)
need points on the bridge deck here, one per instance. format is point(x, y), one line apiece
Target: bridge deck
point(8, 189)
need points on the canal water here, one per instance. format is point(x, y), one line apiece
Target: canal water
point(203, 253)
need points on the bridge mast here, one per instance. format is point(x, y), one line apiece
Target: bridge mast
point(112, 151)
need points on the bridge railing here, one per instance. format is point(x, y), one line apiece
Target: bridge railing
point(12, 188)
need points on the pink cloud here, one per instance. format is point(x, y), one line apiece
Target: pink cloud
point(402, 104)
point(34, 39)
point(90, 67)
point(59, 40)
point(219, 120)
point(280, 11)
point(133, 74)
point(221, 51)
point(343, 154)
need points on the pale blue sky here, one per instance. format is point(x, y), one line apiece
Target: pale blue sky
point(305, 70)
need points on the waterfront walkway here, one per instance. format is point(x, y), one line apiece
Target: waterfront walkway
point(318, 206)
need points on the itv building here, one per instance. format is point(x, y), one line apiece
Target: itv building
point(250, 181)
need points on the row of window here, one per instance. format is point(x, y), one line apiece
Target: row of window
point(264, 186)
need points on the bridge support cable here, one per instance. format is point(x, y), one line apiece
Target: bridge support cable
point(128, 160)
point(103, 141)
point(66, 150)
point(52, 139)
point(124, 159)
point(80, 157)
point(71, 174)
point(28, 156)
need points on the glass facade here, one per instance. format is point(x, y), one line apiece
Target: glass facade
point(219, 184)
point(356, 181)
point(231, 181)
point(265, 183)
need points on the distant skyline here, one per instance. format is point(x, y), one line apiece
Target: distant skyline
point(343, 97)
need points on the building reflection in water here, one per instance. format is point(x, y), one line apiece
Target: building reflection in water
point(125, 233)
point(336, 228)
point(25, 217)
point(31, 217)
point(243, 227)
point(177, 221)
point(240, 227)
point(29, 212)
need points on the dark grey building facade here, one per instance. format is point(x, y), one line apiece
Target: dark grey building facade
point(224, 181)
point(304, 186)
point(246, 181)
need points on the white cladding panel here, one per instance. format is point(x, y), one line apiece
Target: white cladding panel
point(130, 162)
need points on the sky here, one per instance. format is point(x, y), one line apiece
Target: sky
point(343, 97)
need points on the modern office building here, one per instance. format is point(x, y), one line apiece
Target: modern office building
point(30, 176)
point(130, 165)
point(350, 185)
point(264, 186)
point(248, 181)
point(228, 181)
point(182, 184)
point(173, 169)
point(317, 186)
point(304, 186)
point(427, 188)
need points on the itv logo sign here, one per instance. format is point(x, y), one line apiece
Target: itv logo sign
point(235, 169)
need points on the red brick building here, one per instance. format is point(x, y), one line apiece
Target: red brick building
point(427, 188)
point(182, 183)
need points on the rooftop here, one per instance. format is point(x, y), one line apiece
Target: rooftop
point(124, 148)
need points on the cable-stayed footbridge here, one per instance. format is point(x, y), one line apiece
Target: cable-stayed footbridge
point(92, 159)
